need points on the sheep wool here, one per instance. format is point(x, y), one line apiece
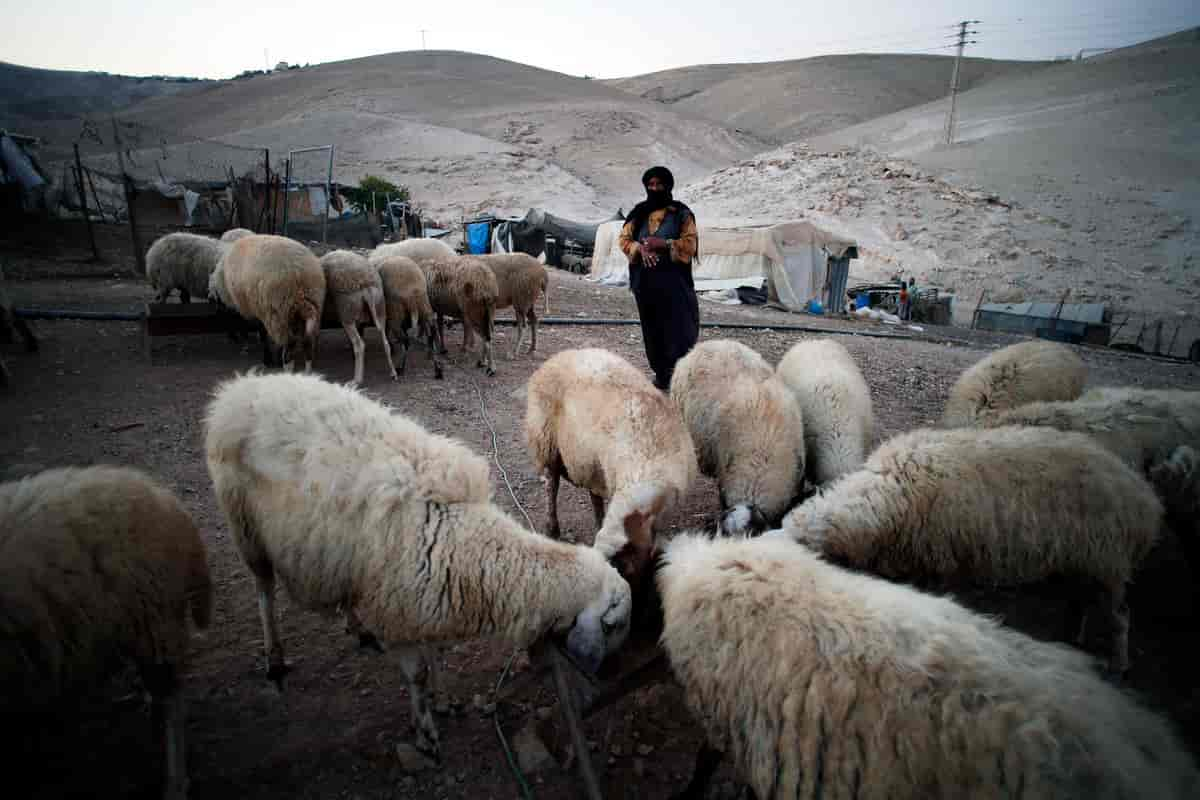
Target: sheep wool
point(819, 682)
point(184, 262)
point(418, 250)
point(233, 234)
point(356, 290)
point(1012, 376)
point(1002, 506)
point(520, 278)
point(406, 296)
point(747, 429)
point(835, 401)
point(465, 288)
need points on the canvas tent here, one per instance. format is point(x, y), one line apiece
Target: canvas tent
point(528, 234)
point(797, 261)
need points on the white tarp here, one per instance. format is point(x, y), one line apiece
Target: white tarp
point(792, 258)
point(176, 191)
point(18, 165)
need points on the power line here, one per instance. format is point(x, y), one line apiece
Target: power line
point(963, 41)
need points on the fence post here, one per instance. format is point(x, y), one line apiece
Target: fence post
point(269, 196)
point(130, 200)
point(328, 198)
point(87, 218)
point(287, 186)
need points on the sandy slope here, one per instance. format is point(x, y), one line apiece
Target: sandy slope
point(788, 100)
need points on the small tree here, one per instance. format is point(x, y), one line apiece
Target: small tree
point(361, 195)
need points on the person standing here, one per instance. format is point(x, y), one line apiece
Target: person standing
point(659, 238)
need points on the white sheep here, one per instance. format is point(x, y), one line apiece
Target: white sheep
point(279, 283)
point(98, 565)
point(233, 234)
point(352, 505)
point(1012, 376)
point(183, 261)
point(839, 422)
point(593, 418)
point(819, 682)
point(418, 250)
point(356, 291)
point(10, 324)
point(519, 278)
point(1002, 506)
point(464, 287)
point(407, 299)
point(747, 429)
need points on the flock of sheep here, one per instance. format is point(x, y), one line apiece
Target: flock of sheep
point(281, 286)
point(801, 629)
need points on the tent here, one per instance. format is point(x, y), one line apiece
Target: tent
point(528, 235)
point(798, 261)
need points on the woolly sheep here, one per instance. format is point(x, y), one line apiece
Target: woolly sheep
point(356, 290)
point(10, 323)
point(1012, 376)
point(593, 418)
point(99, 564)
point(819, 682)
point(278, 282)
point(464, 287)
point(183, 261)
point(519, 278)
point(1002, 506)
point(747, 429)
point(1177, 480)
point(233, 234)
point(835, 402)
point(418, 250)
point(407, 299)
point(350, 504)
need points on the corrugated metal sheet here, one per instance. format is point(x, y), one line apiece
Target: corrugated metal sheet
point(839, 272)
point(1086, 313)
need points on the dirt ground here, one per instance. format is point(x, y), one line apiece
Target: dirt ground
point(89, 397)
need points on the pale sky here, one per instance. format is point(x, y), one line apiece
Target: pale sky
point(220, 38)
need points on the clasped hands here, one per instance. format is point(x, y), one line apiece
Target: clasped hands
point(651, 247)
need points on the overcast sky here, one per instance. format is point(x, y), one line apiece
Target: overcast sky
point(220, 38)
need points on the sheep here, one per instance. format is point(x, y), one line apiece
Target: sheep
point(591, 417)
point(1001, 506)
point(407, 299)
point(10, 323)
point(819, 682)
point(464, 287)
point(280, 283)
point(1177, 480)
point(183, 261)
point(1012, 376)
point(419, 250)
point(356, 290)
point(747, 429)
point(519, 277)
point(351, 505)
point(835, 402)
point(233, 234)
point(99, 564)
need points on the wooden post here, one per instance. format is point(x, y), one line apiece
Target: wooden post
point(130, 201)
point(87, 218)
point(95, 196)
point(269, 196)
point(979, 305)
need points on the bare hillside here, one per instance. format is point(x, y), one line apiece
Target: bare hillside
point(467, 132)
point(29, 95)
point(788, 100)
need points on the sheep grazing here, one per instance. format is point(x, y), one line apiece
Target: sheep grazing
point(183, 261)
point(280, 283)
point(418, 250)
point(407, 299)
point(520, 277)
point(99, 564)
point(819, 682)
point(10, 324)
point(594, 419)
point(1012, 376)
point(835, 402)
point(466, 288)
point(233, 234)
point(351, 505)
point(747, 429)
point(356, 291)
point(996, 507)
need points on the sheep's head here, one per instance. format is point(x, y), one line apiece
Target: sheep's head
point(743, 520)
point(601, 628)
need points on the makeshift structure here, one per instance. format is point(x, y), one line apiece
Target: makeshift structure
point(1071, 322)
point(21, 179)
point(798, 262)
point(528, 234)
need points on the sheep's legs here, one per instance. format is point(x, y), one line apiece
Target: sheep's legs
point(416, 670)
point(354, 627)
point(276, 668)
point(598, 509)
point(485, 355)
point(356, 342)
point(552, 477)
point(533, 323)
point(161, 681)
point(519, 335)
point(399, 334)
point(1118, 612)
point(708, 760)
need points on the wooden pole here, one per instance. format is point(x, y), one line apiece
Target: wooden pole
point(95, 196)
point(87, 218)
point(130, 201)
point(267, 184)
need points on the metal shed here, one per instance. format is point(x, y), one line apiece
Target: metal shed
point(1073, 322)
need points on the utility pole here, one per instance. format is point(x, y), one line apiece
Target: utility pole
point(962, 43)
point(423, 32)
